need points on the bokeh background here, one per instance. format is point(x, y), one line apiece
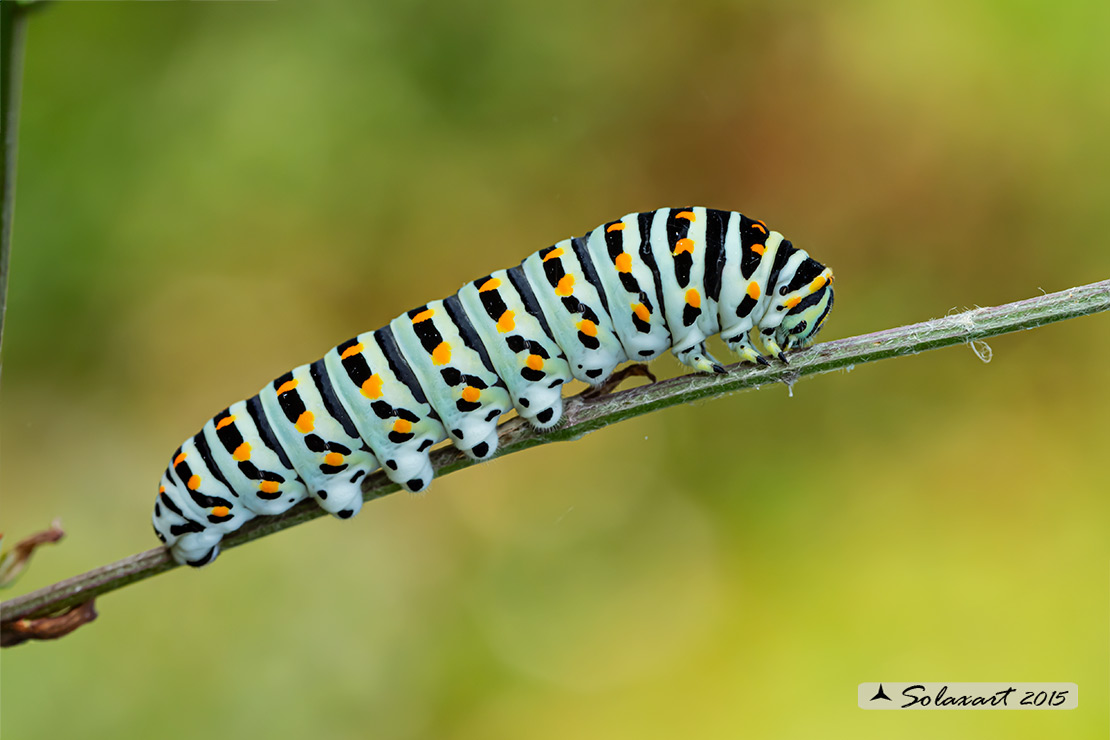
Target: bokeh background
point(210, 194)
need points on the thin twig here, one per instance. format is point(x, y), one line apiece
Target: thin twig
point(583, 416)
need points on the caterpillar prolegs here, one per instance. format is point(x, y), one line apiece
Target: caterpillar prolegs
point(628, 290)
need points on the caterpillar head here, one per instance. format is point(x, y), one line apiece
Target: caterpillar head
point(807, 308)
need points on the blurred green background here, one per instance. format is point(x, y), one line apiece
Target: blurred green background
point(210, 194)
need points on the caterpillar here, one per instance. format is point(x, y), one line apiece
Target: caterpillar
point(628, 290)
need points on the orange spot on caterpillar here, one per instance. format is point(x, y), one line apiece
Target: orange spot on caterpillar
point(491, 284)
point(553, 254)
point(817, 284)
point(161, 489)
point(753, 290)
point(242, 452)
point(506, 322)
point(641, 311)
point(306, 422)
point(623, 262)
point(220, 511)
point(761, 226)
point(351, 351)
point(565, 286)
point(688, 215)
point(269, 486)
point(286, 386)
point(471, 394)
point(684, 245)
point(759, 249)
point(423, 315)
point(618, 226)
point(333, 458)
point(372, 386)
point(441, 355)
point(402, 426)
point(693, 297)
point(792, 302)
point(535, 362)
point(177, 460)
point(194, 482)
point(225, 421)
point(587, 327)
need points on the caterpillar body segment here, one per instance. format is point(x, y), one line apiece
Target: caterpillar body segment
point(574, 310)
point(630, 289)
point(387, 406)
point(523, 353)
point(440, 343)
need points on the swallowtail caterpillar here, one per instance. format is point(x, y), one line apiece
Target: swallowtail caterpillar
point(630, 289)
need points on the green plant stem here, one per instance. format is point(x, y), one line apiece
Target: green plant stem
point(13, 34)
point(583, 415)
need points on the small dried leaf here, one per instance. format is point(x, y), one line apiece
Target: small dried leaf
point(13, 562)
point(639, 369)
point(47, 628)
